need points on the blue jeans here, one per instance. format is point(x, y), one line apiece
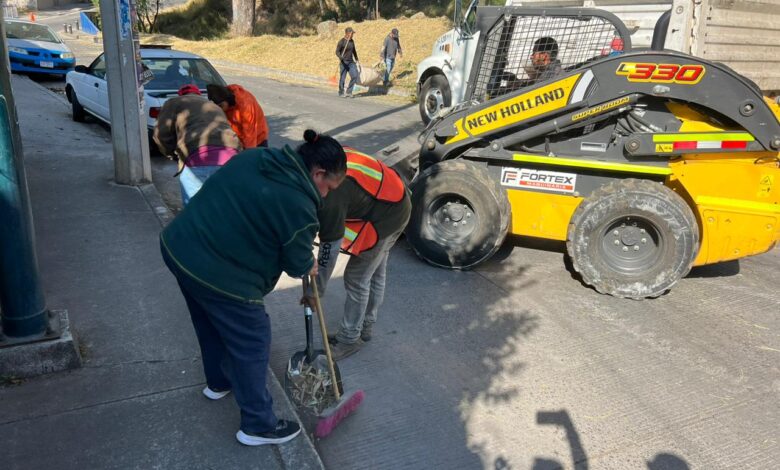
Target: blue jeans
point(350, 68)
point(192, 178)
point(389, 63)
point(235, 341)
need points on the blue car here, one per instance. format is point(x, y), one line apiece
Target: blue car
point(35, 48)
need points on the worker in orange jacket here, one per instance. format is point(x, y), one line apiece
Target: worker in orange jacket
point(244, 113)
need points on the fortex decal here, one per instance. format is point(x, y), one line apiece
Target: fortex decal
point(538, 179)
point(516, 109)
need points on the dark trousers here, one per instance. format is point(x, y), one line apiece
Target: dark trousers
point(344, 69)
point(235, 341)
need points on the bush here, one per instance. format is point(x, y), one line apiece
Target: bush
point(197, 19)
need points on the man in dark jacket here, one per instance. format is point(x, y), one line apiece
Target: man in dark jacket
point(390, 48)
point(348, 58)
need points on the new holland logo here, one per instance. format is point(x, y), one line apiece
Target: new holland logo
point(514, 109)
point(538, 179)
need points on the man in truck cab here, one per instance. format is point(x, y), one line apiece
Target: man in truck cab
point(544, 65)
point(544, 61)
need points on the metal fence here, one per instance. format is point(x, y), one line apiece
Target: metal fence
point(522, 50)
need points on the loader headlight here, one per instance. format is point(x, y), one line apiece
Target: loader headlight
point(18, 50)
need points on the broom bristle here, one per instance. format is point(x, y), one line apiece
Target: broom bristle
point(331, 417)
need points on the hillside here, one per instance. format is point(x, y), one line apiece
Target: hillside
point(311, 55)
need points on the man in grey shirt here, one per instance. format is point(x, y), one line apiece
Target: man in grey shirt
point(390, 48)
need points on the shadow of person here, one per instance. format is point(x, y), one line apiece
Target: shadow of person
point(578, 456)
point(665, 461)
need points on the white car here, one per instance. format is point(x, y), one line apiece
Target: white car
point(87, 89)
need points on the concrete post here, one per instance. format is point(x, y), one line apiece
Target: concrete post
point(34, 340)
point(22, 305)
point(125, 93)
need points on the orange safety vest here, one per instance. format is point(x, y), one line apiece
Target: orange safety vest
point(382, 183)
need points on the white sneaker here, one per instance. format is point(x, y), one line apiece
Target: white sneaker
point(214, 395)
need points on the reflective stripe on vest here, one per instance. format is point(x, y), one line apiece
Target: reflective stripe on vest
point(359, 236)
point(376, 178)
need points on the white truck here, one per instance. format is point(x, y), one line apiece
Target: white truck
point(744, 34)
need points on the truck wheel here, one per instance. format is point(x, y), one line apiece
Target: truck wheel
point(460, 215)
point(633, 239)
point(434, 95)
point(79, 115)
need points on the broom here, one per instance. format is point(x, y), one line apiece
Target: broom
point(345, 404)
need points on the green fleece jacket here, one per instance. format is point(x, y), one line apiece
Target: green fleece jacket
point(251, 220)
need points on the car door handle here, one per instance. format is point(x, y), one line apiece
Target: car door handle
point(97, 85)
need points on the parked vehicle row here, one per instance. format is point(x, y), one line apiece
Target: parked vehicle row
point(36, 48)
point(87, 89)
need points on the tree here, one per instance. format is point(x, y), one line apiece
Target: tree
point(147, 12)
point(243, 17)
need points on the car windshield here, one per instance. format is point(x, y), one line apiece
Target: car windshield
point(31, 32)
point(171, 74)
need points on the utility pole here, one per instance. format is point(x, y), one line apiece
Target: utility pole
point(125, 92)
point(22, 306)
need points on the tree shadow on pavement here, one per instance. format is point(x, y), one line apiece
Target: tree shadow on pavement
point(336, 131)
point(440, 358)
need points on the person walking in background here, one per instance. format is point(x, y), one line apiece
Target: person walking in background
point(244, 113)
point(196, 132)
point(390, 48)
point(348, 57)
point(253, 220)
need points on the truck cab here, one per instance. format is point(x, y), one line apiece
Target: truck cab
point(442, 77)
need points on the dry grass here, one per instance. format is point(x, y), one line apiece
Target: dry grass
point(314, 56)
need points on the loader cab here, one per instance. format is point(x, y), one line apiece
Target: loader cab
point(525, 47)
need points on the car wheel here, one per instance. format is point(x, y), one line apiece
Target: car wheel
point(435, 94)
point(460, 215)
point(79, 115)
point(633, 239)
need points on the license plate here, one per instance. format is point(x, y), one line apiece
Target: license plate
point(48, 65)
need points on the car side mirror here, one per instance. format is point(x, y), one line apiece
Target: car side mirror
point(81, 69)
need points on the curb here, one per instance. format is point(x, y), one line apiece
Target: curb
point(297, 454)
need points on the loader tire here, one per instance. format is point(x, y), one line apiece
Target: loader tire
point(460, 215)
point(633, 239)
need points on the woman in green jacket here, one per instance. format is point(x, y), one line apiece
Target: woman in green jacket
point(252, 220)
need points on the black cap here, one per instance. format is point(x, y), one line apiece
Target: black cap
point(548, 45)
point(395, 31)
point(349, 30)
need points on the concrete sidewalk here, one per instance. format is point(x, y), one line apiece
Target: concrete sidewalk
point(136, 402)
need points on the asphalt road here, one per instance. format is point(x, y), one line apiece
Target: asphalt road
point(517, 365)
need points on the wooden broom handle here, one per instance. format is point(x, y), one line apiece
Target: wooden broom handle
point(324, 330)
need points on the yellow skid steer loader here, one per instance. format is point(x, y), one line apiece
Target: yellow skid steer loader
point(645, 162)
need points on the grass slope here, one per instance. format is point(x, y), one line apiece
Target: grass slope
point(305, 54)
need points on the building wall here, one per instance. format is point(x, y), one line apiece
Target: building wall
point(745, 35)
